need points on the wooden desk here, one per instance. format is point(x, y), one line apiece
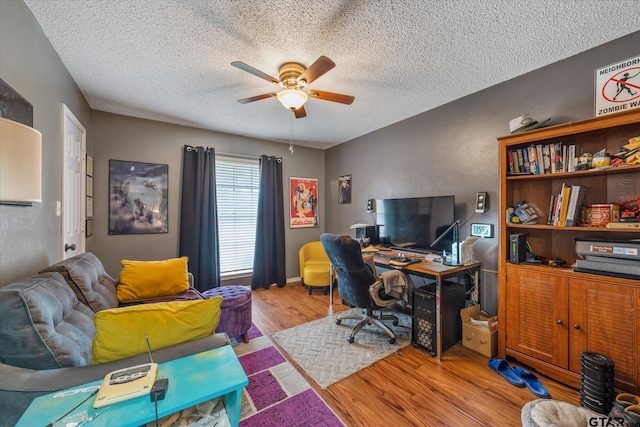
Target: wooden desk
point(437, 272)
point(192, 380)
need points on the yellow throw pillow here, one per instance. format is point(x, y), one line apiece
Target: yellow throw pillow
point(120, 331)
point(142, 280)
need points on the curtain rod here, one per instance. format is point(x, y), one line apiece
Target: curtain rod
point(240, 156)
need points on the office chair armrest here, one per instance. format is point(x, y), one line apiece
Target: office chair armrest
point(376, 291)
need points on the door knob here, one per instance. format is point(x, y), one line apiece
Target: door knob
point(67, 247)
point(559, 322)
point(576, 326)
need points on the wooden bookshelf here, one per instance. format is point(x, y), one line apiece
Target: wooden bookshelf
point(549, 315)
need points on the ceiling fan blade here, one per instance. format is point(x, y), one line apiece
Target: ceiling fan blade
point(318, 68)
point(256, 98)
point(300, 112)
point(330, 96)
point(254, 71)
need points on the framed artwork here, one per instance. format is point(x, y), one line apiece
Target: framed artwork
point(344, 189)
point(89, 227)
point(303, 211)
point(89, 186)
point(89, 165)
point(89, 207)
point(138, 197)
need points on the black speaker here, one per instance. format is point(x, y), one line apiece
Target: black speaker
point(517, 248)
point(371, 205)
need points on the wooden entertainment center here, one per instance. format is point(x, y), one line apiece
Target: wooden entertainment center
point(549, 315)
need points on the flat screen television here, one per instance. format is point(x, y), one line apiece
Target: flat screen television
point(415, 223)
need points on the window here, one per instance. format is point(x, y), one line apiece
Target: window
point(237, 185)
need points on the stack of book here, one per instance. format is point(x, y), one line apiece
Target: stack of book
point(542, 159)
point(609, 257)
point(564, 207)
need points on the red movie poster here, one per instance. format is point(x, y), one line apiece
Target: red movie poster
point(304, 202)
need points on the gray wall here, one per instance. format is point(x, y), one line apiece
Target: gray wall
point(127, 138)
point(448, 150)
point(453, 149)
point(30, 236)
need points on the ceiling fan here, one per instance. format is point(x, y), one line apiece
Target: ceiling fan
point(294, 77)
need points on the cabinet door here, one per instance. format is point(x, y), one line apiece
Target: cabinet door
point(605, 319)
point(537, 315)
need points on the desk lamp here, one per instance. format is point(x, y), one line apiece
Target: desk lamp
point(456, 232)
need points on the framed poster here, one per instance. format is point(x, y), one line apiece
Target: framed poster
point(89, 207)
point(138, 197)
point(89, 165)
point(89, 227)
point(303, 211)
point(344, 189)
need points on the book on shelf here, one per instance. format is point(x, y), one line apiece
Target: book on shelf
point(520, 160)
point(624, 225)
point(525, 159)
point(510, 161)
point(540, 159)
point(552, 206)
point(571, 158)
point(546, 158)
point(566, 194)
point(576, 199)
point(516, 164)
point(556, 209)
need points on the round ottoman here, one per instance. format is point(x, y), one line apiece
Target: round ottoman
point(235, 316)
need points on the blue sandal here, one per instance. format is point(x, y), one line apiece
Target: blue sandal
point(531, 381)
point(502, 367)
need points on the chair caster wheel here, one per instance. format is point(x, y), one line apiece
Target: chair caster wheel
point(350, 339)
point(392, 340)
point(338, 321)
point(395, 323)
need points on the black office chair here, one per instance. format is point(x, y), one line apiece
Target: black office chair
point(358, 285)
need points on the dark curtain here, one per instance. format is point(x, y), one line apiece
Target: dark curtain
point(269, 258)
point(199, 217)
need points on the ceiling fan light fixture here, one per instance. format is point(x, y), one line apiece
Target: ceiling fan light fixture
point(292, 99)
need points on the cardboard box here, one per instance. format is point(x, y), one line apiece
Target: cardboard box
point(482, 339)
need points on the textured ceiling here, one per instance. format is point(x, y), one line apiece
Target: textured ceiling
point(169, 60)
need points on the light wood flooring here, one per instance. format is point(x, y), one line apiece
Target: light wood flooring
point(409, 388)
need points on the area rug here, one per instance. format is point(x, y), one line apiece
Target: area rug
point(322, 350)
point(277, 394)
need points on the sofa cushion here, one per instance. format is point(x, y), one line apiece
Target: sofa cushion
point(121, 331)
point(143, 280)
point(86, 275)
point(43, 325)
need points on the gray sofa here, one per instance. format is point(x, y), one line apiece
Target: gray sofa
point(47, 329)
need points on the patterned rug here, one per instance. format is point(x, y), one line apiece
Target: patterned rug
point(322, 350)
point(277, 395)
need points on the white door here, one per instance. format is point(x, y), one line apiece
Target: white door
point(74, 185)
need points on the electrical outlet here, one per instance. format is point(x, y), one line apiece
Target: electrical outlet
point(482, 230)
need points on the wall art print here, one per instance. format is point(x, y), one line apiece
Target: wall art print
point(344, 189)
point(304, 202)
point(138, 197)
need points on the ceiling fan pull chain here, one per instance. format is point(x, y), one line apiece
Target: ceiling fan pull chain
point(291, 135)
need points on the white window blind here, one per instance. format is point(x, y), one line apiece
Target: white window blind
point(237, 185)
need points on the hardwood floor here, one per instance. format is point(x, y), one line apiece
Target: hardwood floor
point(409, 388)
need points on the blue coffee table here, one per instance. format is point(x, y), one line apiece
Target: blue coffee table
point(192, 380)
